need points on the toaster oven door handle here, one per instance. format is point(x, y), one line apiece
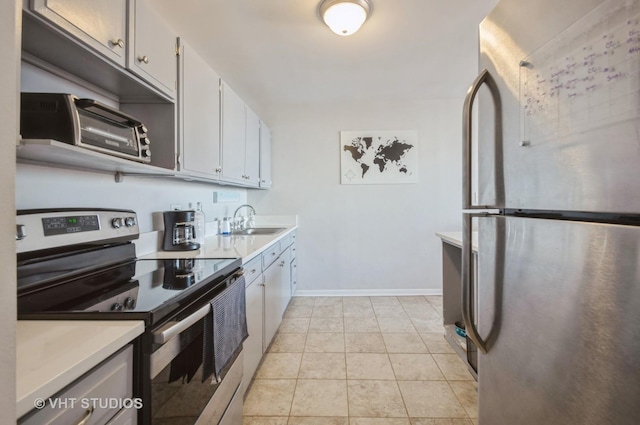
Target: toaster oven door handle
point(113, 114)
point(172, 329)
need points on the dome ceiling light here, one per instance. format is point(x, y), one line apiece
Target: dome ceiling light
point(344, 17)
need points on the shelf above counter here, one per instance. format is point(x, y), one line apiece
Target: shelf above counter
point(54, 153)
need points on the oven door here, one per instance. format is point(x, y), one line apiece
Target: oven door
point(181, 392)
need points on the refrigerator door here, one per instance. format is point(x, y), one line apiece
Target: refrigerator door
point(558, 304)
point(568, 76)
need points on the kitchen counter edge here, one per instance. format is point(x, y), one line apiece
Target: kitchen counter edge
point(52, 354)
point(228, 246)
point(455, 239)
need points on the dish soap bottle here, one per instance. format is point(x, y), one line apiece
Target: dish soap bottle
point(200, 223)
point(225, 226)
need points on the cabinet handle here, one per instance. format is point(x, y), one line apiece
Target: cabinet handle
point(144, 59)
point(282, 264)
point(218, 169)
point(262, 284)
point(86, 417)
point(253, 271)
point(119, 42)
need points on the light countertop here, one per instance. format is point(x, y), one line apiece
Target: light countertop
point(455, 238)
point(52, 354)
point(228, 246)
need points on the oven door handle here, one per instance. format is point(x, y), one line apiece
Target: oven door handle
point(171, 329)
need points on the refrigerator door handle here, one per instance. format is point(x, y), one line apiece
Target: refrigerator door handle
point(467, 140)
point(467, 282)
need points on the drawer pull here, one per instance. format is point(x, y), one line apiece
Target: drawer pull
point(87, 416)
point(253, 271)
point(144, 59)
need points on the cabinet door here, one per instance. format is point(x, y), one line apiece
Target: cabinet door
point(99, 24)
point(199, 103)
point(284, 262)
point(233, 135)
point(265, 156)
point(252, 149)
point(253, 346)
point(272, 304)
point(153, 56)
point(294, 276)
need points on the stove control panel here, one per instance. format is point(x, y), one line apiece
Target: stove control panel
point(47, 229)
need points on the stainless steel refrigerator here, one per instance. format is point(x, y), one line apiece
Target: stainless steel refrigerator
point(555, 311)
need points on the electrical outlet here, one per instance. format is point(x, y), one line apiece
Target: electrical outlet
point(175, 207)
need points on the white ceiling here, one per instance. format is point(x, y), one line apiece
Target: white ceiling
point(280, 52)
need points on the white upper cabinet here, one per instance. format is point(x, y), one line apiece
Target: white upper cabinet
point(99, 24)
point(240, 140)
point(233, 120)
point(265, 156)
point(152, 54)
point(199, 106)
point(252, 149)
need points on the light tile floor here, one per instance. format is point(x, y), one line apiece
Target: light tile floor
point(362, 361)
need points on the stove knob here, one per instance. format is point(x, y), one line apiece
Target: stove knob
point(117, 222)
point(130, 221)
point(129, 303)
point(116, 307)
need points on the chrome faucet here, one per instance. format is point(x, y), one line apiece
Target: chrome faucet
point(246, 220)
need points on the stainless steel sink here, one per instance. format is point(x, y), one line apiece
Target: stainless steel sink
point(259, 231)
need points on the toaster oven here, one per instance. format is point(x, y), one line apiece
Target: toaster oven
point(85, 123)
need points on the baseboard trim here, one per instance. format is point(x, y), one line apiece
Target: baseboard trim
point(366, 292)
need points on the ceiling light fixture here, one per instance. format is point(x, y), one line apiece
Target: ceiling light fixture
point(344, 17)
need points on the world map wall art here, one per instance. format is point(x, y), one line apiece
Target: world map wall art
point(379, 157)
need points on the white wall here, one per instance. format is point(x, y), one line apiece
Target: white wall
point(366, 238)
point(9, 87)
point(46, 187)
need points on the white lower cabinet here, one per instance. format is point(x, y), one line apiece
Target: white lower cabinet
point(112, 379)
point(272, 301)
point(268, 292)
point(294, 275)
point(284, 262)
point(253, 345)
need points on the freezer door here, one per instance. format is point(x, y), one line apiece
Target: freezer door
point(568, 76)
point(559, 307)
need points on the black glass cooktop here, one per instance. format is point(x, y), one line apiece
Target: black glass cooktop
point(139, 289)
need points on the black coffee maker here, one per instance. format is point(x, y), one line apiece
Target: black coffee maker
point(179, 231)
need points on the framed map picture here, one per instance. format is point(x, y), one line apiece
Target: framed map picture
point(378, 157)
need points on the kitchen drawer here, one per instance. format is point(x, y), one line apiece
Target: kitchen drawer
point(286, 241)
point(233, 414)
point(252, 270)
point(270, 255)
point(125, 417)
point(110, 380)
